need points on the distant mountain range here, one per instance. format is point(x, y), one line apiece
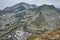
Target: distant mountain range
point(58, 9)
point(28, 18)
point(20, 6)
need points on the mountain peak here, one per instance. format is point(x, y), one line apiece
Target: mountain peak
point(23, 3)
point(47, 6)
point(14, 7)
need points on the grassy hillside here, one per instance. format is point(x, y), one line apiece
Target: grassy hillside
point(52, 35)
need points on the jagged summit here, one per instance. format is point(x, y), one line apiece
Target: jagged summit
point(23, 3)
point(47, 6)
point(14, 7)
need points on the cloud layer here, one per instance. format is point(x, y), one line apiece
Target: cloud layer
point(7, 3)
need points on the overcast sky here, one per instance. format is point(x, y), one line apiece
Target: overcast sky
point(8, 3)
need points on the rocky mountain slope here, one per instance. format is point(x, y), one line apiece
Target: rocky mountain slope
point(19, 7)
point(35, 20)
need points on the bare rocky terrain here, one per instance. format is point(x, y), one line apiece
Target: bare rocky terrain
point(28, 20)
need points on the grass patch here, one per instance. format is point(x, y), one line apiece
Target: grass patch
point(32, 37)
